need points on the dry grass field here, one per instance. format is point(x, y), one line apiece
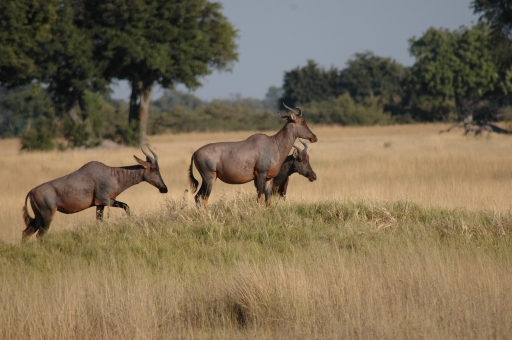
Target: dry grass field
point(406, 234)
point(389, 163)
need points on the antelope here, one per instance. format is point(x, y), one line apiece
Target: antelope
point(297, 162)
point(258, 158)
point(94, 184)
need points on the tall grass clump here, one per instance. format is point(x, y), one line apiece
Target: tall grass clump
point(331, 269)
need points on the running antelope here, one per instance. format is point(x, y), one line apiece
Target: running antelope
point(94, 184)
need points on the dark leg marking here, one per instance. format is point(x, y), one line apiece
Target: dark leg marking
point(99, 212)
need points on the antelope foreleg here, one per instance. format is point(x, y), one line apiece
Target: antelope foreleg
point(119, 204)
point(268, 191)
point(111, 203)
point(284, 186)
point(99, 212)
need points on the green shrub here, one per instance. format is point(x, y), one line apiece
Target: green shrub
point(37, 139)
point(126, 133)
point(217, 116)
point(77, 134)
point(344, 110)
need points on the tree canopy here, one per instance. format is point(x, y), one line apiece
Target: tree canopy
point(25, 30)
point(368, 75)
point(75, 46)
point(456, 65)
point(309, 83)
point(159, 41)
point(497, 13)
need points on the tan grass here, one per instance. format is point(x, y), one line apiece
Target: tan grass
point(390, 163)
point(326, 270)
point(340, 259)
point(398, 283)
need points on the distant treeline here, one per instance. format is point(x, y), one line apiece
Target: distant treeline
point(457, 75)
point(464, 74)
point(103, 117)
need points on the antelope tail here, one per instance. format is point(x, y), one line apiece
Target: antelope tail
point(191, 180)
point(26, 216)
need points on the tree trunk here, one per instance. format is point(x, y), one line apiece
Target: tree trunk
point(73, 114)
point(464, 109)
point(139, 108)
point(134, 103)
point(144, 114)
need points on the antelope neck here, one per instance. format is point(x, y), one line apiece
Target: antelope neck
point(129, 175)
point(288, 166)
point(284, 140)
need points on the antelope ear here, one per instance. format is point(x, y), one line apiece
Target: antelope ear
point(141, 162)
point(295, 153)
point(291, 118)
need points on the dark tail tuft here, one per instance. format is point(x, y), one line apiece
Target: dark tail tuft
point(191, 180)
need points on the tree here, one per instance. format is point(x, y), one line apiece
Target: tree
point(22, 108)
point(25, 28)
point(40, 44)
point(309, 83)
point(456, 66)
point(159, 41)
point(368, 75)
point(497, 13)
point(69, 67)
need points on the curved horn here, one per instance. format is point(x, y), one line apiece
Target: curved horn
point(292, 110)
point(148, 156)
point(300, 111)
point(154, 154)
point(296, 147)
point(305, 146)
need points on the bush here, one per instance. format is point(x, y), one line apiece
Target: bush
point(106, 119)
point(432, 109)
point(344, 110)
point(77, 134)
point(37, 139)
point(126, 133)
point(217, 116)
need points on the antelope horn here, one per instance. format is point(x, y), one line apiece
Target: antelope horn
point(296, 147)
point(148, 156)
point(305, 145)
point(292, 110)
point(300, 111)
point(154, 154)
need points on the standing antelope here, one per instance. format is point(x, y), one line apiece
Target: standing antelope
point(257, 158)
point(297, 162)
point(94, 184)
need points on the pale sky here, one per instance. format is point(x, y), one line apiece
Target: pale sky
point(276, 36)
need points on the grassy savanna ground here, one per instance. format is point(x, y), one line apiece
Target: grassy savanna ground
point(406, 234)
point(377, 164)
